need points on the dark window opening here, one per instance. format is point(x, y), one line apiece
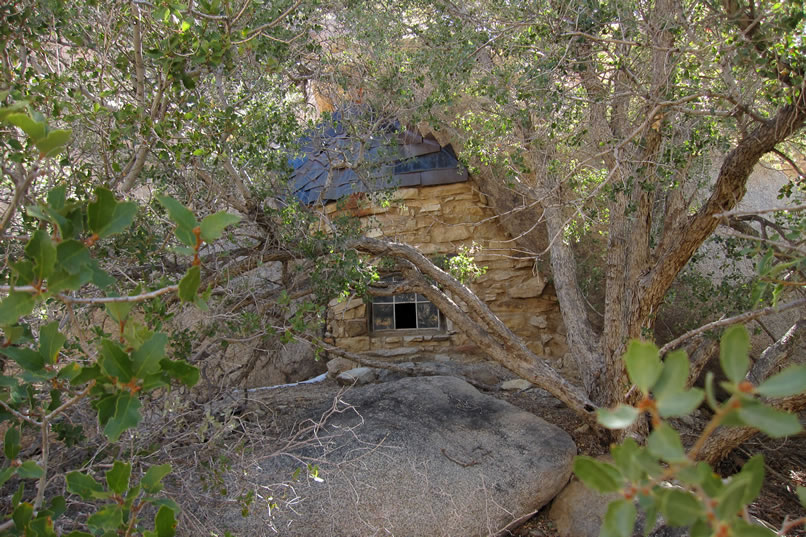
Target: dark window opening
point(406, 311)
point(405, 316)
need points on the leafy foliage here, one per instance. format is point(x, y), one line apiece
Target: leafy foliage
point(662, 477)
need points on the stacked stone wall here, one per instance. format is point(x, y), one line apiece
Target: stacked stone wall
point(438, 220)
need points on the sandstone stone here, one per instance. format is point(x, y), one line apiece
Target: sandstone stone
point(395, 352)
point(539, 321)
point(356, 327)
point(406, 193)
point(339, 365)
point(354, 344)
point(357, 376)
point(430, 207)
point(418, 457)
point(453, 233)
point(533, 287)
point(516, 385)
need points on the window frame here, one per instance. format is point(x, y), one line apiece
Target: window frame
point(393, 301)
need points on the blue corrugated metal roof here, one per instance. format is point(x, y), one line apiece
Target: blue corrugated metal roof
point(326, 169)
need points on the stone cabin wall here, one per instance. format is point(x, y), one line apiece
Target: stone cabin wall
point(438, 220)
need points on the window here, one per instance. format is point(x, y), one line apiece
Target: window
point(407, 311)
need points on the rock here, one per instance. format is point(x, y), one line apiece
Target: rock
point(357, 376)
point(533, 287)
point(516, 385)
point(578, 511)
point(339, 365)
point(418, 457)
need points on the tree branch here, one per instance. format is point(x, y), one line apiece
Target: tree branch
point(736, 319)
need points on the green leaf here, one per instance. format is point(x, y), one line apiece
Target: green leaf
point(86, 374)
point(22, 515)
point(753, 471)
point(61, 280)
point(6, 474)
point(673, 378)
point(118, 477)
point(110, 517)
point(126, 416)
point(147, 358)
point(731, 499)
point(28, 359)
point(740, 528)
point(680, 508)
point(189, 284)
point(50, 342)
point(11, 443)
point(106, 407)
point(29, 470)
point(664, 442)
point(69, 371)
point(76, 533)
point(183, 218)
point(84, 485)
point(115, 362)
point(165, 522)
point(24, 271)
point(152, 480)
point(106, 216)
point(73, 256)
point(34, 129)
point(619, 520)
point(680, 403)
point(54, 142)
point(181, 371)
point(625, 455)
point(41, 526)
point(597, 475)
point(58, 506)
point(790, 381)
point(119, 311)
point(802, 496)
point(57, 196)
point(734, 353)
point(41, 250)
point(100, 277)
point(212, 226)
point(772, 422)
point(619, 418)
point(643, 365)
point(14, 306)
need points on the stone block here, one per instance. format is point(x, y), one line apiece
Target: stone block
point(357, 376)
point(339, 365)
point(407, 193)
point(453, 233)
point(531, 288)
point(354, 344)
point(538, 321)
point(356, 327)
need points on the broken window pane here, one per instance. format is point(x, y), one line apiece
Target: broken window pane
point(427, 315)
point(383, 317)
